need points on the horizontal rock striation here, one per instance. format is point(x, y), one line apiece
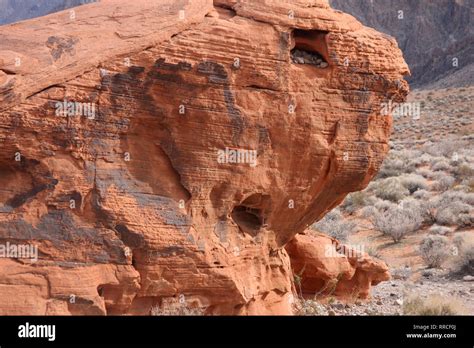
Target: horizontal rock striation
point(160, 151)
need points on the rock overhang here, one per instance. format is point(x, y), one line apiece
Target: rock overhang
point(172, 98)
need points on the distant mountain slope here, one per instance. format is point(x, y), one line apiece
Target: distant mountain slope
point(430, 33)
point(14, 10)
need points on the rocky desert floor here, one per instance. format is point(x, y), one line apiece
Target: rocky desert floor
point(417, 215)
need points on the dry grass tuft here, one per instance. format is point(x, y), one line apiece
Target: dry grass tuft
point(433, 305)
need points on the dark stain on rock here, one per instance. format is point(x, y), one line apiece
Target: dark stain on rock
point(61, 230)
point(77, 197)
point(263, 139)
point(217, 75)
point(61, 45)
point(130, 238)
point(21, 198)
point(136, 70)
point(169, 73)
point(284, 45)
point(123, 85)
point(216, 72)
point(45, 181)
point(359, 98)
point(362, 123)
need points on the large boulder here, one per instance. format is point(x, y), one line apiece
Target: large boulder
point(169, 150)
point(325, 267)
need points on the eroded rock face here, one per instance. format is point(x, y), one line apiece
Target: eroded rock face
point(326, 267)
point(171, 149)
point(433, 55)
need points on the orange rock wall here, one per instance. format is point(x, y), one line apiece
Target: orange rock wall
point(130, 207)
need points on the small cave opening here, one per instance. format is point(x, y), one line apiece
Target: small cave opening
point(247, 218)
point(309, 47)
point(250, 214)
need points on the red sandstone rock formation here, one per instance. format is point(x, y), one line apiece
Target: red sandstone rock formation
point(326, 267)
point(127, 198)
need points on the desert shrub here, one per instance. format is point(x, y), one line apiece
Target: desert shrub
point(399, 161)
point(438, 175)
point(469, 184)
point(368, 212)
point(397, 222)
point(391, 167)
point(456, 213)
point(433, 305)
point(413, 182)
point(461, 239)
point(441, 165)
point(373, 251)
point(449, 197)
point(417, 162)
point(425, 158)
point(443, 183)
point(390, 189)
point(401, 273)
point(334, 225)
point(173, 309)
point(440, 230)
point(416, 208)
point(421, 194)
point(357, 200)
point(308, 307)
point(464, 171)
point(463, 188)
point(434, 250)
point(444, 148)
point(452, 208)
point(464, 260)
point(383, 205)
point(435, 159)
point(412, 158)
point(425, 172)
point(409, 154)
